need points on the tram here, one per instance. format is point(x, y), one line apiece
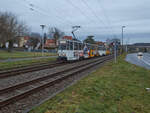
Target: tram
point(70, 50)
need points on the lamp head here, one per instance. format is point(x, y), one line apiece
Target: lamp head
point(42, 26)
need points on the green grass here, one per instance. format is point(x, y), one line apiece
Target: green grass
point(16, 54)
point(114, 88)
point(15, 64)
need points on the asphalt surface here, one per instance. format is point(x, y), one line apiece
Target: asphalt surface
point(143, 61)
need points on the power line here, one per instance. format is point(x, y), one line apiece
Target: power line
point(82, 12)
point(93, 12)
point(38, 9)
point(106, 16)
point(78, 8)
point(42, 11)
point(56, 10)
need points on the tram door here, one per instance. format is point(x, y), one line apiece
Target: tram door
point(85, 51)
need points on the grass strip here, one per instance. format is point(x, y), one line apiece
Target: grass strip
point(22, 63)
point(114, 88)
point(16, 54)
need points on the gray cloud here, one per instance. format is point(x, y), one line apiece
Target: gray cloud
point(111, 15)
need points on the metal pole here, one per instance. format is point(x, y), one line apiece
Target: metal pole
point(126, 48)
point(73, 41)
point(122, 37)
point(42, 26)
point(43, 42)
point(115, 52)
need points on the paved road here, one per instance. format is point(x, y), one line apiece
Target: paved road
point(20, 59)
point(143, 62)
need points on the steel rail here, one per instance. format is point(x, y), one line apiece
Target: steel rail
point(16, 72)
point(52, 82)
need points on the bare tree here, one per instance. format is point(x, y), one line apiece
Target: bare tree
point(34, 39)
point(3, 23)
point(11, 28)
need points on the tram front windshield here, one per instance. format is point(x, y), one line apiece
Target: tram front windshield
point(62, 45)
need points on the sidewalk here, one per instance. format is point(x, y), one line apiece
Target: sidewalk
point(20, 59)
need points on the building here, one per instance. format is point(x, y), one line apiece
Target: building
point(23, 40)
point(50, 43)
point(68, 37)
point(138, 47)
point(100, 43)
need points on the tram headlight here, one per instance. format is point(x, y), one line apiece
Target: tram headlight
point(63, 54)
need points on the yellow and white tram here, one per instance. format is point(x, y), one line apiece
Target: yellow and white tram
point(70, 50)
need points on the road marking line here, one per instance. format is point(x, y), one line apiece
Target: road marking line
point(145, 62)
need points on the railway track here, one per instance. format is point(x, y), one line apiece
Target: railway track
point(27, 69)
point(14, 72)
point(19, 91)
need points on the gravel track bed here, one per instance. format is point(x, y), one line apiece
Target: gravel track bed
point(6, 82)
point(28, 87)
point(22, 106)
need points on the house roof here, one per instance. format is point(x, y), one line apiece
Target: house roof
point(50, 41)
point(26, 38)
point(68, 37)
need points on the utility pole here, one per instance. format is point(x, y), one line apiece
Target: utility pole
point(122, 37)
point(127, 43)
point(115, 51)
point(126, 47)
point(42, 40)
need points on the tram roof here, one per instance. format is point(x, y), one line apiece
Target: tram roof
point(78, 41)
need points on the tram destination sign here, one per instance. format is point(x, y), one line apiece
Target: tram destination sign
point(63, 42)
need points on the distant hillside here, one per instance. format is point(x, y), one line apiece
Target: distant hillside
point(141, 44)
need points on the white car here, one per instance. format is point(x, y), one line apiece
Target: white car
point(140, 54)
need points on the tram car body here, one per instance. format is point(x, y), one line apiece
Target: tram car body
point(102, 51)
point(70, 50)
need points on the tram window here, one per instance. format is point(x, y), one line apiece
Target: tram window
point(75, 46)
point(93, 47)
point(89, 47)
point(67, 45)
point(71, 45)
point(62, 47)
point(80, 46)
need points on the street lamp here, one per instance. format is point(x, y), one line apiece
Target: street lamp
point(122, 36)
point(42, 40)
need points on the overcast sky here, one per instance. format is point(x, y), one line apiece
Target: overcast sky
point(101, 18)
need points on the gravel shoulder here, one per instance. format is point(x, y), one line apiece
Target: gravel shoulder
point(27, 103)
point(114, 88)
